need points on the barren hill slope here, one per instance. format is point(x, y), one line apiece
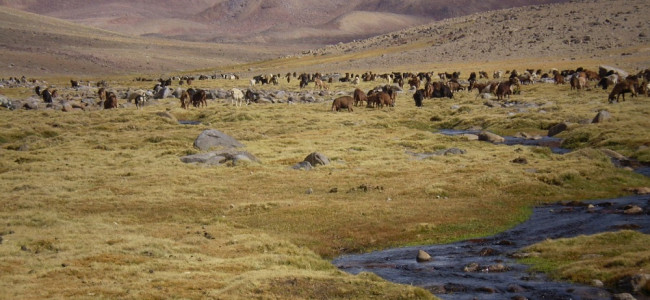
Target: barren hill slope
point(561, 32)
point(296, 22)
point(35, 45)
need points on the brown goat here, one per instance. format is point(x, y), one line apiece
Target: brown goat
point(342, 102)
point(185, 100)
point(198, 99)
point(359, 97)
point(111, 100)
point(621, 88)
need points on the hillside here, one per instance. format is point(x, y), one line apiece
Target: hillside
point(561, 34)
point(36, 45)
point(295, 22)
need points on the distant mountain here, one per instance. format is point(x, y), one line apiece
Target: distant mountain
point(296, 22)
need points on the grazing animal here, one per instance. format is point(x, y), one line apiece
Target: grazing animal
point(139, 101)
point(198, 99)
point(135, 94)
point(418, 96)
point(356, 80)
point(506, 88)
point(111, 101)
point(74, 83)
point(47, 95)
point(237, 97)
point(414, 82)
point(379, 99)
point(185, 100)
point(320, 84)
point(37, 90)
point(621, 88)
point(342, 102)
point(359, 97)
point(250, 96)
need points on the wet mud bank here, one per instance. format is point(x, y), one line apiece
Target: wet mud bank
point(485, 268)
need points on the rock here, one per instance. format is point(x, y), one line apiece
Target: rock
point(309, 191)
point(177, 92)
point(204, 158)
point(623, 296)
point(487, 252)
point(454, 151)
point(472, 267)
point(487, 96)
point(514, 288)
point(334, 190)
point(30, 105)
point(497, 268)
point(470, 137)
point(316, 159)
point(601, 117)
point(166, 115)
point(634, 210)
point(490, 137)
point(215, 138)
point(486, 289)
point(613, 154)
point(639, 190)
point(520, 160)
point(633, 284)
point(557, 129)
point(303, 165)
point(67, 107)
point(220, 157)
point(597, 283)
point(163, 93)
point(423, 256)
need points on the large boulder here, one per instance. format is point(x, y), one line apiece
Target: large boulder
point(490, 137)
point(557, 129)
point(220, 157)
point(602, 116)
point(317, 159)
point(423, 256)
point(214, 138)
point(163, 93)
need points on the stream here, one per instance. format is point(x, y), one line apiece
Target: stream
point(484, 268)
point(495, 274)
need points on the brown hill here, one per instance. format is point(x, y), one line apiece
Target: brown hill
point(35, 45)
point(297, 22)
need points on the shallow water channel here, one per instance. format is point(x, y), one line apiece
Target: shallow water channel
point(497, 275)
point(551, 142)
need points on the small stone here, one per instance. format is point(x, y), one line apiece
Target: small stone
point(309, 191)
point(423, 256)
point(334, 190)
point(597, 283)
point(520, 160)
point(634, 210)
point(472, 267)
point(557, 129)
point(623, 296)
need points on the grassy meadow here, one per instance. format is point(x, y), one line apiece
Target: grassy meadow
point(97, 204)
point(607, 257)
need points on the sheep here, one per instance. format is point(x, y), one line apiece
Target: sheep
point(237, 97)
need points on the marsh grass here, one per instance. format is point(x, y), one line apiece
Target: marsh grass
point(607, 257)
point(104, 192)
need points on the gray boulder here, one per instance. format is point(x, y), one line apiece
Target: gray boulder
point(163, 93)
point(423, 256)
point(557, 129)
point(316, 159)
point(214, 138)
point(303, 165)
point(220, 157)
point(490, 137)
point(601, 117)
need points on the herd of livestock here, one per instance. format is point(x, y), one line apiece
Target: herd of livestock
point(424, 85)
